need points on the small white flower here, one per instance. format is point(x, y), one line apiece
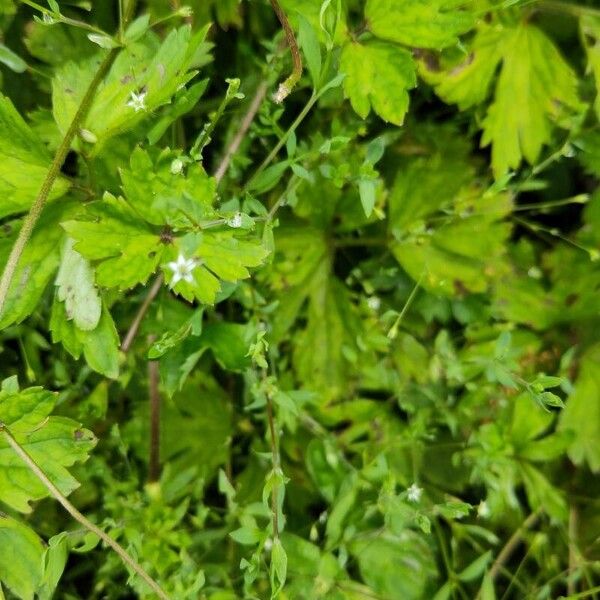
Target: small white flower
point(268, 544)
point(414, 493)
point(137, 101)
point(182, 270)
point(483, 510)
point(177, 166)
point(235, 221)
point(374, 303)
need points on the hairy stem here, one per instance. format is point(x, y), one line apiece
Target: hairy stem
point(57, 494)
point(288, 85)
point(276, 467)
point(53, 172)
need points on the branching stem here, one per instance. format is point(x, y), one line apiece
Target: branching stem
point(57, 494)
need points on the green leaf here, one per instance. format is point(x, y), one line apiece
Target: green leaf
point(581, 415)
point(24, 163)
point(378, 76)
point(21, 552)
point(309, 42)
point(466, 80)
point(408, 571)
point(75, 287)
point(13, 61)
point(278, 567)
point(448, 237)
point(54, 561)
point(145, 67)
point(54, 443)
point(128, 249)
point(37, 265)
point(229, 343)
point(100, 346)
point(419, 23)
point(536, 87)
point(476, 568)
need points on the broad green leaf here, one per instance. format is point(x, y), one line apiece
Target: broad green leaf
point(581, 415)
point(450, 239)
point(100, 346)
point(535, 88)
point(75, 287)
point(54, 443)
point(323, 350)
point(21, 552)
point(38, 262)
point(163, 196)
point(126, 247)
point(396, 567)
point(24, 163)
point(466, 80)
point(378, 76)
point(419, 23)
point(147, 70)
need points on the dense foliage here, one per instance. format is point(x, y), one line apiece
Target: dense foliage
point(300, 299)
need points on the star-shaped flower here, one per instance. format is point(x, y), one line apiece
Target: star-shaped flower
point(137, 101)
point(182, 270)
point(414, 493)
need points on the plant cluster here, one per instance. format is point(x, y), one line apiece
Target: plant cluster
point(300, 299)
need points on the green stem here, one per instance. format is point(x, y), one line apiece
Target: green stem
point(54, 491)
point(63, 19)
point(61, 153)
point(265, 163)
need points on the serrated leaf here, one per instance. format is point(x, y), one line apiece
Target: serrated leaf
point(534, 89)
point(128, 249)
point(419, 23)
point(21, 552)
point(24, 163)
point(466, 80)
point(75, 287)
point(54, 443)
point(378, 76)
point(156, 71)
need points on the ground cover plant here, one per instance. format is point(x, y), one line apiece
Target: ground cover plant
point(299, 299)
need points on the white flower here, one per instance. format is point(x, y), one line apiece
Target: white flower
point(137, 101)
point(235, 221)
point(374, 303)
point(177, 166)
point(268, 544)
point(414, 493)
point(182, 270)
point(483, 510)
